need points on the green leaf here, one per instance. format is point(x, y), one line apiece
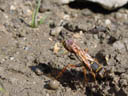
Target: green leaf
point(34, 15)
point(42, 20)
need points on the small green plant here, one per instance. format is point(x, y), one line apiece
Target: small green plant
point(2, 89)
point(34, 22)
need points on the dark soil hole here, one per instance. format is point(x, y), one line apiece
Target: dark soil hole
point(94, 7)
point(74, 77)
point(126, 6)
point(111, 40)
point(118, 73)
point(41, 68)
point(98, 29)
point(101, 58)
point(90, 93)
point(121, 93)
point(72, 28)
point(45, 68)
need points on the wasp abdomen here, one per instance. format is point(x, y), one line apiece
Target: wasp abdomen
point(95, 67)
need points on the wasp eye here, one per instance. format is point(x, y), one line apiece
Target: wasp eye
point(69, 42)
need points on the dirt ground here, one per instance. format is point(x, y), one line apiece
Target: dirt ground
point(31, 57)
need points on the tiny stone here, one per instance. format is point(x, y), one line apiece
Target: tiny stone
point(26, 48)
point(77, 35)
point(54, 84)
point(47, 94)
point(123, 82)
point(45, 6)
point(118, 45)
point(38, 72)
point(95, 36)
point(121, 16)
point(27, 12)
point(12, 7)
point(116, 79)
point(11, 58)
point(66, 17)
point(65, 1)
point(3, 60)
point(118, 15)
point(124, 76)
point(107, 22)
point(93, 89)
point(56, 31)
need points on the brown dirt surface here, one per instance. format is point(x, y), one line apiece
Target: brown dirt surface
point(31, 57)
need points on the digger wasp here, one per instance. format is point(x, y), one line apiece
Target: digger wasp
point(87, 62)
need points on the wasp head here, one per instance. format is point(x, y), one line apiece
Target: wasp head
point(68, 44)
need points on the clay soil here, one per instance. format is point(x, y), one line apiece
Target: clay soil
point(29, 57)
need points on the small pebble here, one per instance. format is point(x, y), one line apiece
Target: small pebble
point(121, 17)
point(38, 72)
point(116, 79)
point(46, 5)
point(123, 82)
point(47, 94)
point(56, 31)
point(27, 12)
point(108, 22)
point(26, 48)
point(56, 47)
point(12, 7)
point(54, 84)
point(77, 35)
point(66, 17)
point(93, 89)
point(11, 58)
point(119, 45)
point(65, 1)
point(124, 76)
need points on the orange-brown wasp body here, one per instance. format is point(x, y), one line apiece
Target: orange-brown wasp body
point(87, 61)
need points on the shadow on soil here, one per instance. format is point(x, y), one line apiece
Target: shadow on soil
point(72, 80)
point(75, 78)
point(94, 7)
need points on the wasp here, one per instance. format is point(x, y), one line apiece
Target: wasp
point(87, 62)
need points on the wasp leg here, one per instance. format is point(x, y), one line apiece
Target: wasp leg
point(86, 50)
point(64, 69)
point(96, 60)
point(85, 77)
point(94, 76)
